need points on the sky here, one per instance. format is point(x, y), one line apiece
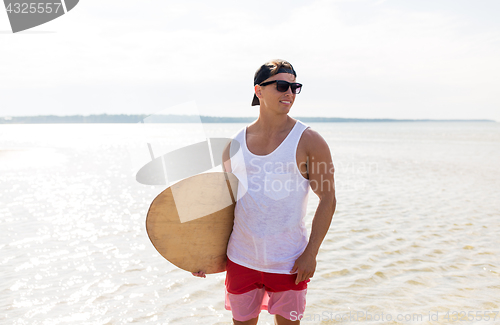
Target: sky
point(436, 59)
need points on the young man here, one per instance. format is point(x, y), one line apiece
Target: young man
point(270, 259)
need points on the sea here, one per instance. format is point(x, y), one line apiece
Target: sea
point(415, 238)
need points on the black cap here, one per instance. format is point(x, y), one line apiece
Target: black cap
point(268, 70)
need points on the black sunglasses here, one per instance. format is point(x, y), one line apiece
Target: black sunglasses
point(283, 86)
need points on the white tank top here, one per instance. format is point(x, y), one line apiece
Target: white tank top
point(269, 233)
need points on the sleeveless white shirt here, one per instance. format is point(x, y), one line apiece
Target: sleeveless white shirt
point(269, 233)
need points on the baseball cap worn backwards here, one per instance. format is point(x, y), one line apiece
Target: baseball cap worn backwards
point(268, 70)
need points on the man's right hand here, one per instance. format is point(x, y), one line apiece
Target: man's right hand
point(200, 274)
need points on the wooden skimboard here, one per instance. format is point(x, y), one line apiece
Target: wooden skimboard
point(190, 222)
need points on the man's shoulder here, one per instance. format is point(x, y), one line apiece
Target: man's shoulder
point(238, 133)
point(312, 140)
point(311, 135)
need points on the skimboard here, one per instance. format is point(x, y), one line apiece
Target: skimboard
point(190, 222)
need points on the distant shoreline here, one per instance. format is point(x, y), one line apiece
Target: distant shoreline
point(105, 118)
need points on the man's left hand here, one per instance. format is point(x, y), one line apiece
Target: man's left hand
point(305, 266)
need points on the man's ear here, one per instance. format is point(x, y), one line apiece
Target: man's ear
point(258, 89)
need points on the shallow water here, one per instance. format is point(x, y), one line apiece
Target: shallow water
point(415, 235)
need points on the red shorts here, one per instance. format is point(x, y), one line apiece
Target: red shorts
point(249, 291)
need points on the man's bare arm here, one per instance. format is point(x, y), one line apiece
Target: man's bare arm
point(321, 178)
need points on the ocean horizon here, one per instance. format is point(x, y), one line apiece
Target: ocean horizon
point(174, 118)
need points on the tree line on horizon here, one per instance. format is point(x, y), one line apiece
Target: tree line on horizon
point(138, 118)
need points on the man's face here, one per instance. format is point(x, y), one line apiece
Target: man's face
point(271, 98)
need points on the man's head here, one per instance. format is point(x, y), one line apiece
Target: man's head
point(270, 69)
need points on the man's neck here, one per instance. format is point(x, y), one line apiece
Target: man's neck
point(273, 123)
